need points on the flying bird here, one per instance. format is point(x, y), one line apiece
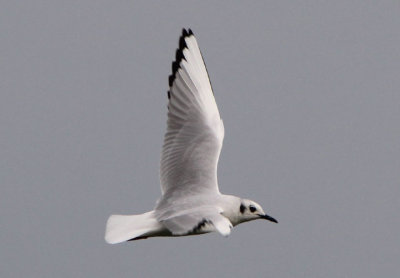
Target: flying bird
point(191, 202)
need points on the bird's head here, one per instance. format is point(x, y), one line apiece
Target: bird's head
point(250, 210)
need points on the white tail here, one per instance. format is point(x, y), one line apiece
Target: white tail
point(121, 228)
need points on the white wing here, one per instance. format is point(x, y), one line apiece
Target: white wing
point(195, 131)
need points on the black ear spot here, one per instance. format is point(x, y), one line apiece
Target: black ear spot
point(242, 208)
point(252, 208)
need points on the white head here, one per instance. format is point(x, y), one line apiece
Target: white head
point(250, 210)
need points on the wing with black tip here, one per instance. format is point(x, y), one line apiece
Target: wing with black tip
point(195, 131)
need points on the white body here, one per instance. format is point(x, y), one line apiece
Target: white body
point(122, 228)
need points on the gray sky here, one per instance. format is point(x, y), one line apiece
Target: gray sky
point(309, 93)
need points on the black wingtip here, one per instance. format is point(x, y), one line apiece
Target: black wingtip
point(179, 55)
point(186, 33)
point(175, 67)
point(171, 79)
point(182, 42)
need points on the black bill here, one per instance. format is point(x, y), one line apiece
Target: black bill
point(267, 217)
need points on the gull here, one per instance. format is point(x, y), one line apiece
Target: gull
point(191, 202)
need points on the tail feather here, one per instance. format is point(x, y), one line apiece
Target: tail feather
point(121, 228)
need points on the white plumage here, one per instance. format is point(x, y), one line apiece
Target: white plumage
point(191, 202)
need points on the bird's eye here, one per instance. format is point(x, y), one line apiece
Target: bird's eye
point(252, 208)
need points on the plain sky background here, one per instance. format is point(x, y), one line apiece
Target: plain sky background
point(309, 92)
